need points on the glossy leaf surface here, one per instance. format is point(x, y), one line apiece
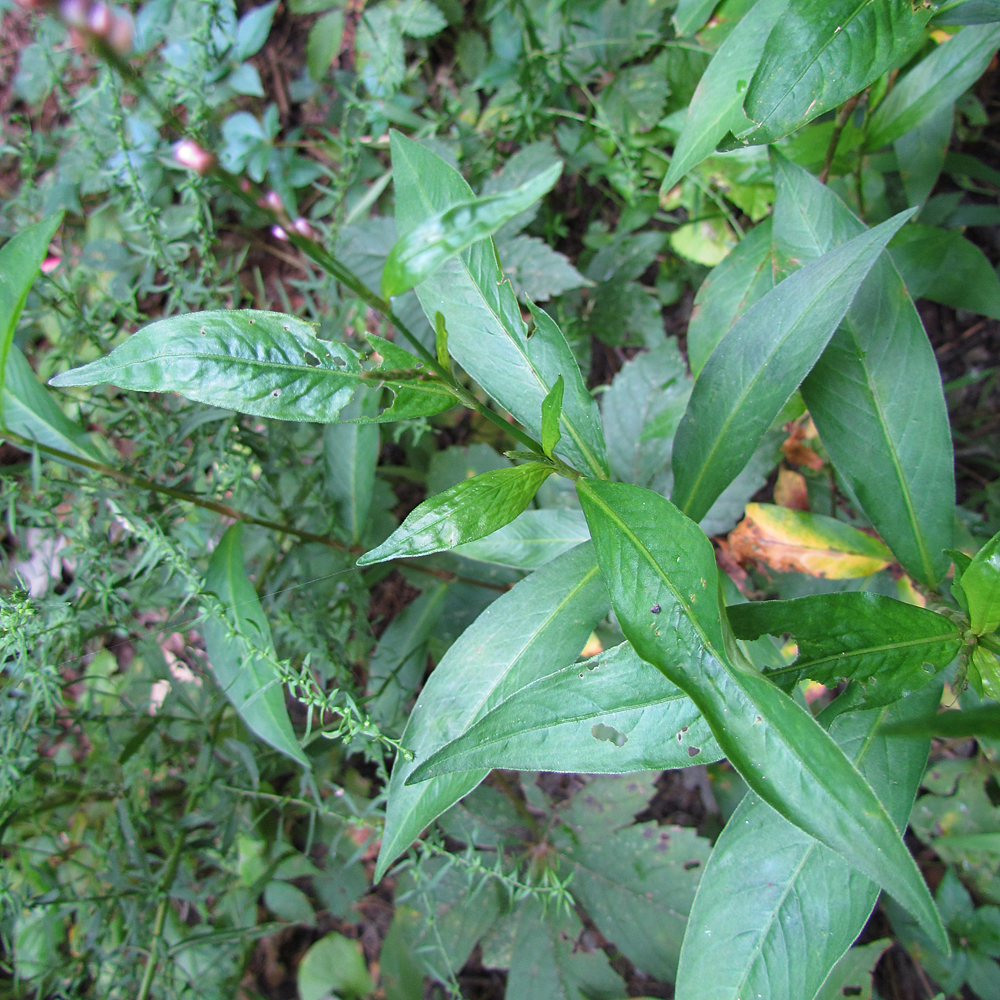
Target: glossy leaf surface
point(551, 411)
point(30, 411)
point(235, 644)
point(652, 556)
point(717, 105)
point(544, 619)
point(853, 393)
point(792, 541)
point(981, 583)
point(983, 720)
point(20, 260)
point(486, 334)
point(776, 909)
point(610, 714)
point(880, 642)
point(934, 82)
point(470, 510)
point(446, 234)
point(759, 364)
point(532, 539)
point(921, 153)
point(822, 52)
point(264, 363)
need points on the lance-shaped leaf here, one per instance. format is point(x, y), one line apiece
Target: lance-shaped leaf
point(20, 260)
point(240, 649)
point(942, 265)
point(983, 720)
point(731, 288)
point(486, 334)
point(610, 714)
point(981, 584)
point(822, 52)
point(531, 539)
point(921, 154)
point(544, 619)
point(264, 363)
point(470, 510)
point(892, 648)
point(446, 234)
point(691, 15)
point(551, 411)
point(760, 363)
point(791, 541)
point(776, 909)
point(969, 12)
point(717, 105)
point(852, 392)
point(30, 411)
point(933, 83)
point(661, 573)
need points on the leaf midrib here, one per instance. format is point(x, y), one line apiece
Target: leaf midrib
point(571, 428)
point(888, 647)
point(765, 931)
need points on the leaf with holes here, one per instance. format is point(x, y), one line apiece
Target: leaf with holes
point(652, 556)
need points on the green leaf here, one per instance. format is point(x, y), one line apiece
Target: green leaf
point(822, 52)
point(240, 649)
point(760, 362)
point(936, 81)
point(654, 557)
point(729, 290)
point(647, 395)
point(610, 714)
point(264, 363)
point(636, 881)
point(969, 12)
point(921, 154)
point(717, 105)
point(691, 15)
point(324, 43)
point(20, 260)
point(852, 392)
point(532, 539)
point(536, 271)
point(351, 452)
point(334, 965)
point(942, 265)
point(549, 963)
point(30, 411)
point(288, 902)
point(486, 334)
point(472, 509)
point(775, 908)
point(446, 234)
point(981, 583)
point(983, 720)
point(852, 975)
point(544, 619)
point(883, 643)
point(253, 28)
point(551, 412)
point(400, 658)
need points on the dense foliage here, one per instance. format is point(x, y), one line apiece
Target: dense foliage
point(481, 501)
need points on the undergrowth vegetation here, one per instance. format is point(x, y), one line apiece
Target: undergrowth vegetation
point(500, 499)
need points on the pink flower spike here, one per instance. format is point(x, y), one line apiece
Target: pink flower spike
point(50, 264)
point(120, 35)
point(189, 154)
point(272, 200)
point(303, 228)
point(99, 19)
point(278, 233)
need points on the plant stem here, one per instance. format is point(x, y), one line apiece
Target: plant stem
point(130, 479)
point(251, 196)
point(843, 115)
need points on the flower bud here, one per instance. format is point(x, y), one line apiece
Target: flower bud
point(99, 20)
point(74, 13)
point(121, 34)
point(272, 200)
point(278, 233)
point(189, 154)
point(303, 228)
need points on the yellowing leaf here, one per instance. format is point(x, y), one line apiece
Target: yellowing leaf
point(792, 541)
